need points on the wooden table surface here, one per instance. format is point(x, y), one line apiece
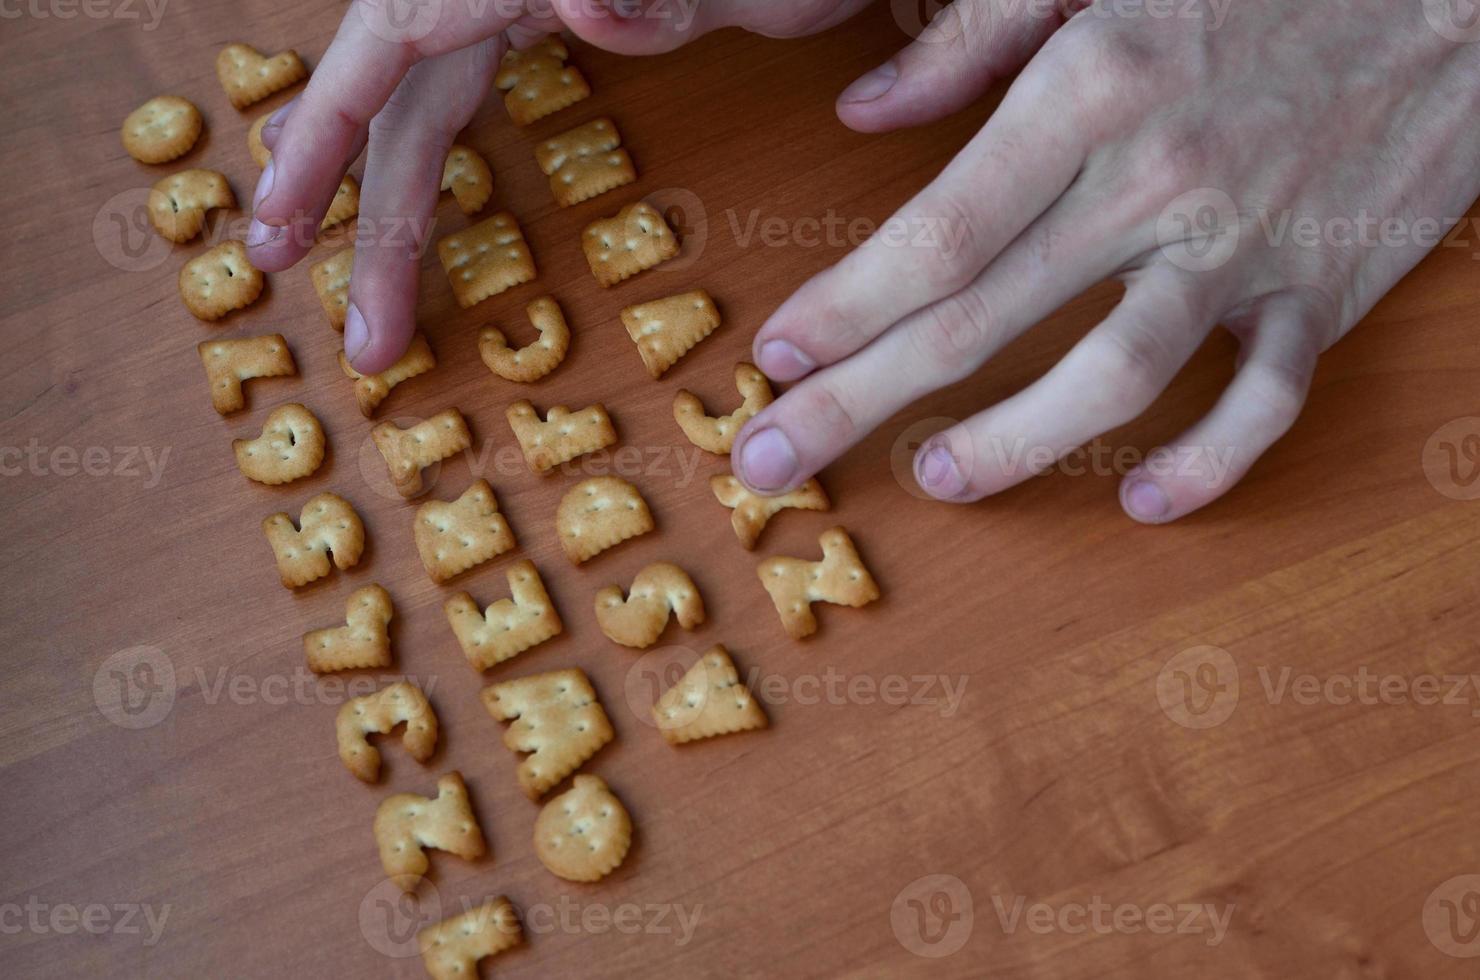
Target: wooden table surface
point(1062, 745)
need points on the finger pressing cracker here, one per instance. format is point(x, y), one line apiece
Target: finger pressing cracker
point(535, 360)
point(290, 447)
point(561, 436)
point(248, 76)
point(408, 451)
point(667, 329)
point(507, 627)
point(331, 281)
point(717, 434)
point(345, 205)
point(555, 718)
point(598, 514)
point(486, 259)
point(326, 525)
point(453, 536)
point(178, 203)
point(839, 578)
point(585, 162)
point(708, 700)
point(451, 949)
point(161, 130)
point(219, 280)
point(538, 82)
point(257, 149)
point(638, 620)
point(372, 389)
point(634, 239)
point(401, 703)
point(584, 833)
point(229, 363)
point(364, 641)
point(752, 511)
point(467, 176)
point(407, 824)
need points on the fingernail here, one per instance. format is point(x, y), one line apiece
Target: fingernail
point(937, 473)
point(1146, 501)
point(260, 234)
point(276, 120)
point(264, 184)
point(356, 333)
point(873, 85)
point(626, 9)
point(780, 360)
point(768, 460)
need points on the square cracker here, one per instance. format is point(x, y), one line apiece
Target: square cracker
point(219, 280)
point(331, 281)
point(372, 389)
point(364, 641)
point(327, 525)
point(708, 700)
point(667, 329)
point(534, 360)
point(228, 363)
point(556, 718)
point(598, 514)
point(453, 536)
point(562, 436)
point(585, 162)
point(634, 239)
point(486, 259)
point(248, 76)
point(451, 949)
point(538, 82)
point(507, 627)
point(409, 451)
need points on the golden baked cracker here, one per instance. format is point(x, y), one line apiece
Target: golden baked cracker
point(453, 536)
point(486, 259)
point(598, 514)
point(585, 162)
point(290, 447)
point(667, 329)
point(219, 280)
point(161, 130)
point(795, 584)
point(534, 360)
point(451, 949)
point(248, 76)
point(326, 525)
point(228, 363)
point(363, 641)
point(467, 176)
point(752, 511)
point(584, 833)
point(717, 434)
point(408, 451)
point(562, 436)
point(507, 627)
point(372, 389)
point(708, 700)
point(556, 718)
point(331, 281)
point(639, 619)
point(346, 203)
point(401, 703)
point(538, 82)
point(407, 824)
point(634, 239)
point(178, 203)
point(257, 149)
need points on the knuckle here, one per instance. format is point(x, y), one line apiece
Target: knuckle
point(1132, 363)
point(825, 407)
point(1276, 396)
point(953, 332)
point(945, 226)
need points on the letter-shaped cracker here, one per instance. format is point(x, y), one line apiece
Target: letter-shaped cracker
point(634, 239)
point(178, 203)
point(486, 259)
point(290, 447)
point(467, 176)
point(257, 149)
point(562, 436)
point(535, 360)
point(228, 363)
point(639, 619)
point(839, 578)
point(752, 512)
point(372, 389)
point(556, 718)
point(345, 205)
point(667, 329)
point(585, 162)
point(598, 514)
point(248, 76)
point(509, 626)
point(538, 82)
point(717, 434)
point(327, 525)
point(708, 700)
point(407, 824)
point(161, 130)
point(408, 451)
point(401, 703)
point(331, 281)
point(364, 641)
point(218, 281)
point(452, 537)
point(584, 833)
point(452, 948)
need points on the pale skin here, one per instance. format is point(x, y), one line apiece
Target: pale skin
point(1174, 152)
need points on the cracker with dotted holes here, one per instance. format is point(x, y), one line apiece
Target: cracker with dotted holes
point(717, 434)
point(507, 627)
point(708, 700)
point(561, 436)
point(467, 176)
point(538, 82)
point(598, 514)
point(752, 511)
point(453, 536)
point(839, 578)
point(407, 824)
point(290, 447)
point(229, 363)
point(585, 162)
point(345, 205)
point(364, 641)
point(451, 949)
point(161, 130)
point(248, 76)
point(486, 259)
point(634, 239)
point(257, 149)
point(408, 451)
point(555, 718)
point(533, 361)
point(327, 526)
point(372, 389)
point(584, 833)
point(331, 281)
point(178, 203)
point(218, 281)
point(639, 619)
point(667, 329)
point(401, 703)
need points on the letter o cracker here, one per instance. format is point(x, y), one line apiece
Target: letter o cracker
point(248, 76)
point(161, 130)
point(218, 281)
point(178, 203)
point(584, 833)
point(639, 619)
point(598, 514)
point(407, 824)
point(290, 447)
point(401, 703)
point(717, 435)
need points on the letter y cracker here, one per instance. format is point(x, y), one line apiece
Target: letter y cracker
point(538, 82)
point(372, 389)
point(598, 514)
point(407, 824)
point(667, 329)
point(451, 949)
point(248, 76)
point(561, 436)
point(795, 584)
point(486, 259)
point(634, 239)
point(327, 525)
point(556, 718)
point(218, 281)
point(752, 512)
point(452, 537)
point(708, 700)
point(402, 703)
point(363, 641)
point(507, 627)
point(535, 360)
point(638, 619)
point(717, 435)
point(408, 451)
point(585, 162)
point(229, 363)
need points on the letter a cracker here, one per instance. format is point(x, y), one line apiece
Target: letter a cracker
point(451, 949)
point(667, 329)
point(708, 700)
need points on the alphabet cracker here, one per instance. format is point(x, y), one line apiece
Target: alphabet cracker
point(667, 329)
point(363, 641)
point(507, 627)
point(598, 514)
point(486, 259)
point(584, 833)
point(839, 578)
point(634, 239)
point(407, 824)
point(401, 703)
point(408, 451)
point(639, 619)
point(248, 76)
point(326, 525)
point(372, 389)
point(467, 176)
point(708, 700)
point(752, 512)
point(290, 447)
point(717, 435)
point(538, 82)
point(257, 149)
point(218, 281)
point(561, 436)
point(346, 203)
point(228, 363)
point(585, 162)
point(452, 537)
point(331, 281)
point(161, 130)
point(178, 203)
point(535, 360)
point(451, 949)
point(556, 718)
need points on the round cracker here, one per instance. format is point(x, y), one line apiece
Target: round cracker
point(162, 129)
point(584, 833)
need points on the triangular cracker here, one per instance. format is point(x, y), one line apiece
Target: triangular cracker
point(598, 514)
point(327, 525)
point(638, 619)
point(538, 82)
point(451, 949)
point(634, 239)
point(486, 259)
point(534, 360)
point(561, 436)
point(839, 578)
point(555, 717)
point(717, 434)
point(408, 451)
point(507, 627)
point(372, 389)
point(248, 76)
point(290, 447)
point(178, 203)
point(401, 703)
point(585, 162)
point(228, 363)
point(453, 536)
point(407, 824)
point(364, 641)
point(753, 511)
point(708, 700)
point(467, 176)
point(667, 329)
